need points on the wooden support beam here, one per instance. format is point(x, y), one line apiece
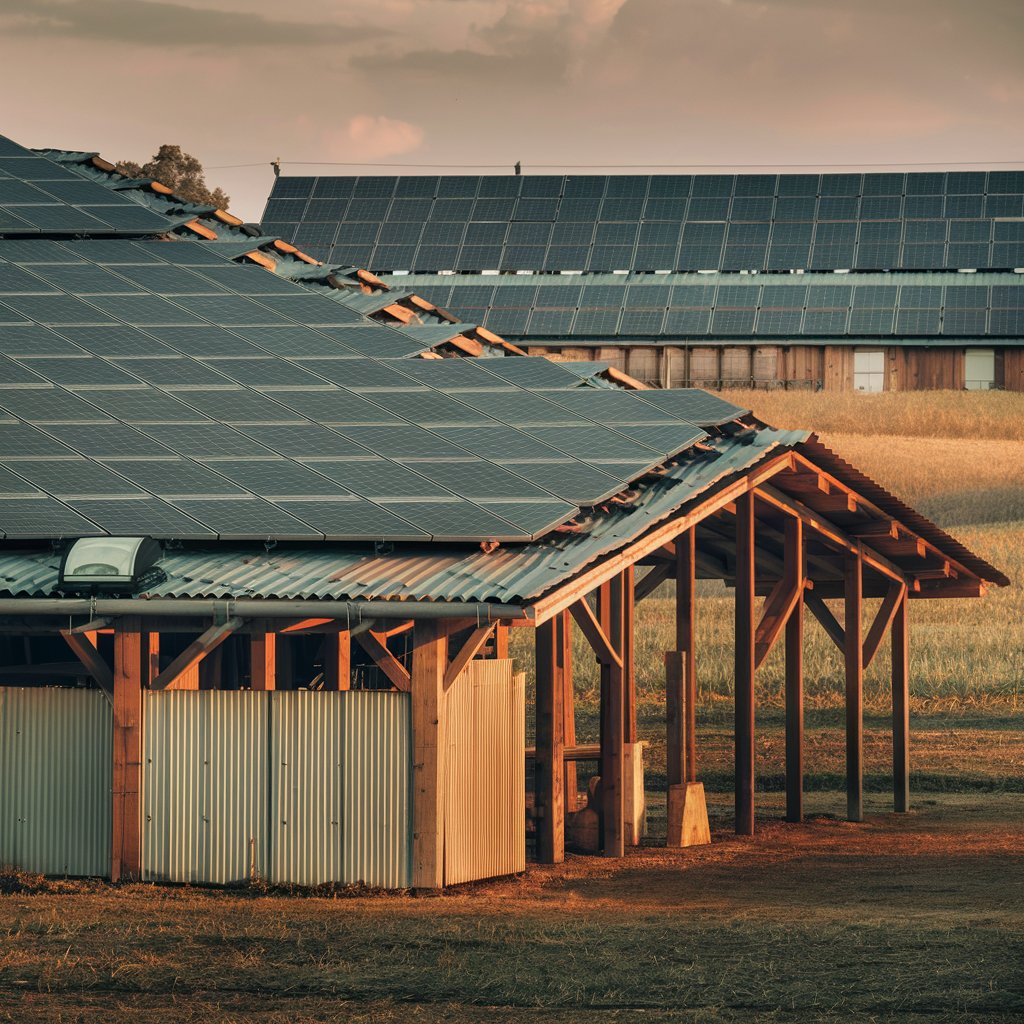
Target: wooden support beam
point(563, 654)
point(549, 767)
point(823, 614)
point(150, 659)
point(501, 641)
point(126, 809)
point(854, 651)
point(92, 626)
point(337, 650)
point(883, 620)
point(375, 646)
point(744, 665)
point(90, 658)
point(263, 661)
point(778, 606)
point(629, 654)
point(795, 675)
point(654, 578)
point(613, 714)
point(594, 632)
point(683, 746)
point(900, 708)
point(429, 661)
point(469, 650)
point(195, 652)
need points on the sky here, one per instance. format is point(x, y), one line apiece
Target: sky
point(658, 85)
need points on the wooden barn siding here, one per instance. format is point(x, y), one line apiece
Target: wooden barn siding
point(827, 366)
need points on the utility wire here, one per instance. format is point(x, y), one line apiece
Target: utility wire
point(600, 167)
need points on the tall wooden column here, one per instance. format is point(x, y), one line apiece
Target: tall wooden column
point(613, 695)
point(501, 640)
point(337, 661)
point(744, 643)
point(429, 661)
point(794, 553)
point(900, 708)
point(549, 764)
point(564, 646)
point(628, 654)
point(686, 573)
point(854, 651)
point(263, 661)
point(126, 845)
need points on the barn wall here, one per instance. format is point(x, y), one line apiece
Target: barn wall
point(1013, 369)
point(837, 369)
point(929, 369)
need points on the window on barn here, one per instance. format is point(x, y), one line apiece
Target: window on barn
point(979, 369)
point(869, 371)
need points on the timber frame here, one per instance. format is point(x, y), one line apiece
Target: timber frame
point(787, 534)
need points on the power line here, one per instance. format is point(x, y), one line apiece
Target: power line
point(663, 167)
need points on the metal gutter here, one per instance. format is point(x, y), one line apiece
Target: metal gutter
point(354, 611)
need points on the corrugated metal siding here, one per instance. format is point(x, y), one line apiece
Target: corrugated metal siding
point(377, 810)
point(55, 767)
point(205, 786)
point(485, 811)
point(340, 789)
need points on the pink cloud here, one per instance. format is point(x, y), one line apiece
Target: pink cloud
point(375, 137)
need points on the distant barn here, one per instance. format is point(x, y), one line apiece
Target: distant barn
point(879, 281)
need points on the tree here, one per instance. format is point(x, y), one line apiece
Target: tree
point(181, 172)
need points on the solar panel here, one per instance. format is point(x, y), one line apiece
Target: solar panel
point(593, 443)
point(354, 519)
point(42, 517)
point(243, 518)
point(50, 405)
point(532, 519)
point(576, 482)
point(454, 520)
point(278, 477)
point(378, 478)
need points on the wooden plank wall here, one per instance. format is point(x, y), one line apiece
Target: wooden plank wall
point(1013, 369)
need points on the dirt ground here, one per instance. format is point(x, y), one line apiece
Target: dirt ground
point(912, 917)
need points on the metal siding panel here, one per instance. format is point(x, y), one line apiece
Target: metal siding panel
point(55, 762)
point(204, 786)
point(485, 812)
point(377, 815)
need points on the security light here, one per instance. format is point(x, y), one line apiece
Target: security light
point(110, 564)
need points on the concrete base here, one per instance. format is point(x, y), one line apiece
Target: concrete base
point(687, 816)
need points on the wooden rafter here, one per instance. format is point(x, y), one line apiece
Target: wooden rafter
point(596, 636)
point(196, 651)
point(376, 647)
point(469, 650)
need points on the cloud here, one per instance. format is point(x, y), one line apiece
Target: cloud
point(171, 25)
point(375, 137)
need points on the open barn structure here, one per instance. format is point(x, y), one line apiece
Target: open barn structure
point(265, 525)
point(835, 281)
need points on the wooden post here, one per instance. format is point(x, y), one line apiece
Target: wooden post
point(613, 720)
point(900, 709)
point(429, 661)
point(151, 658)
point(549, 763)
point(501, 641)
point(564, 631)
point(686, 569)
point(263, 661)
point(337, 660)
point(794, 554)
point(744, 677)
point(628, 654)
point(854, 651)
point(126, 845)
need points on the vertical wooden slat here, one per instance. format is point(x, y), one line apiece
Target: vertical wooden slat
point(744, 668)
point(150, 658)
point(337, 660)
point(549, 780)
point(501, 641)
point(429, 661)
point(614, 715)
point(263, 661)
point(564, 629)
point(900, 708)
point(126, 848)
point(854, 651)
point(794, 554)
point(628, 654)
point(686, 568)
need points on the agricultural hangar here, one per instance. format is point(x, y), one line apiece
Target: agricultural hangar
point(876, 282)
point(265, 525)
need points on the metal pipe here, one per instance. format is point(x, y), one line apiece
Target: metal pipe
point(354, 611)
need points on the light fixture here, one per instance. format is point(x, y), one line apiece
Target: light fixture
point(109, 564)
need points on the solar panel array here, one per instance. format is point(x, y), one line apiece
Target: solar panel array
point(40, 197)
point(158, 388)
point(692, 306)
point(916, 221)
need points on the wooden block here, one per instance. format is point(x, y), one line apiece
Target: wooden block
point(687, 816)
point(635, 799)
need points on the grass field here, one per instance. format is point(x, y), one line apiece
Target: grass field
point(916, 918)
